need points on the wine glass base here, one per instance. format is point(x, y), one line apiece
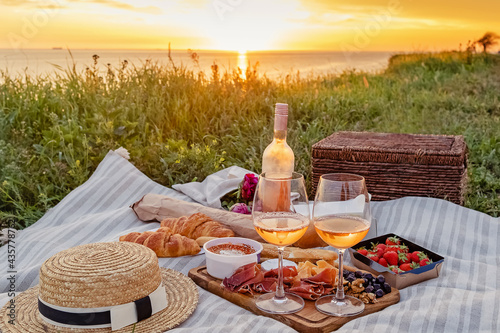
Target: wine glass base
point(290, 304)
point(330, 305)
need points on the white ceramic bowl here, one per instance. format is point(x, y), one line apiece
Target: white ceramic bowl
point(221, 266)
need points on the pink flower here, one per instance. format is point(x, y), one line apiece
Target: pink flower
point(240, 208)
point(248, 186)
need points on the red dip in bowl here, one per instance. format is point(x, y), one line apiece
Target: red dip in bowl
point(234, 250)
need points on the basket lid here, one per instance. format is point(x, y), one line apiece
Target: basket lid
point(392, 148)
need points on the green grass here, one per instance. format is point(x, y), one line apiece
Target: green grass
point(180, 125)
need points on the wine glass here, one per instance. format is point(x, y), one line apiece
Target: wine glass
point(342, 218)
point(281, 217)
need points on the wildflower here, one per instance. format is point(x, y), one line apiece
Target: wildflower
point(5, 183)
point(240, 208)
point(177, 161)
point(248, 186)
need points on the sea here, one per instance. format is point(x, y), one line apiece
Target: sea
point(273, 64)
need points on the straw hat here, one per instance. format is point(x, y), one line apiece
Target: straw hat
point(103, 275)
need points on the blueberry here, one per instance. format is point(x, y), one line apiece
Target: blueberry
point(358, 274)
point(369, 289)
point(351, 278)
point(365, 282)
point(368, 276)
point(386, 287)
point(346, 273)
point(376, 286)
point(379, 293)
point(381, 279)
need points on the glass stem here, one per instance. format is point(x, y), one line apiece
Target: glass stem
point(340, 280)
point(280, 290)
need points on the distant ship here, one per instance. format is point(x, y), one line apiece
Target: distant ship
point(57, 48)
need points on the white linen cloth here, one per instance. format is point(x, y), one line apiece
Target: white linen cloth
point(214, 187)
point(465, 298)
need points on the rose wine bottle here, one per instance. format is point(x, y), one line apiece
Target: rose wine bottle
point(278, 162)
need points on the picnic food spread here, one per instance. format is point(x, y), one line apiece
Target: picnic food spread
point(111, 286)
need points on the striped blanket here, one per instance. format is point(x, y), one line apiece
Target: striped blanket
point(465, 298)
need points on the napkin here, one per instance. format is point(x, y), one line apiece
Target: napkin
point(214, 187)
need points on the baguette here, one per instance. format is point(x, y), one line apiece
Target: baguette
point(197, 225)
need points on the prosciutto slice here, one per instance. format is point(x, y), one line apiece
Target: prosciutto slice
point(241, 276)
point(289, 272)
point(307, 290)
point(315, 286)
point(266, 286)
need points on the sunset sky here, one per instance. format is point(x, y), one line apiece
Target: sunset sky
point(358, 25)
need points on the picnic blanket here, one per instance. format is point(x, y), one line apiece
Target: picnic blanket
point(465, 298)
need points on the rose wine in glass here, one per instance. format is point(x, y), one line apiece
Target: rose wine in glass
point(281, 225)
point(342, 218)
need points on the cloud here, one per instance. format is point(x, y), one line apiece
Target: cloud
point(479, 11)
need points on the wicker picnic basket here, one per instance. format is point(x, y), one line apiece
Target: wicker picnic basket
point(397, 165)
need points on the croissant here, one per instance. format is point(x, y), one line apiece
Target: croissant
point(164, 242)
point(197, 225)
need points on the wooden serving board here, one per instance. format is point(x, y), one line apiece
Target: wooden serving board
point(306, 320)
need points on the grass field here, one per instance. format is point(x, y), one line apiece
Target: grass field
point(180, 125)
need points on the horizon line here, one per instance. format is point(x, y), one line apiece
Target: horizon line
point(60, 48)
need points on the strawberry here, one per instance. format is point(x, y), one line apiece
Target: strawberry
point(404, 258)
point(383, 262)
point(416, 256)
point(363, 252)
point(392, 241)
point(405, 267)
point(395, 269)
point(381, 246)
point(373, 256)
point(380, 251)
point(397, 248)
point(425, 261)
point(391, 258)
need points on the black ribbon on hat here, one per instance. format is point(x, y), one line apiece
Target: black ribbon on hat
point(143, 308)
